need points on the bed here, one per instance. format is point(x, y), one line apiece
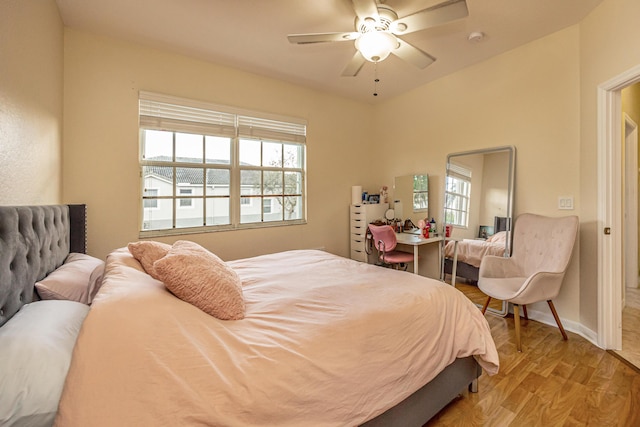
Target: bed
point(471, 251)
point(37, 328)
point(322, 340)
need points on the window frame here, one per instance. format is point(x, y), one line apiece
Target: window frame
point(452, 214)
point(424, 193)
point(266, 128)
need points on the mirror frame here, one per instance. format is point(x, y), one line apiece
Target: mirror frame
point(511, 150)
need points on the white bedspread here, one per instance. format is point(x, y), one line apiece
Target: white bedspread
point(326, 341)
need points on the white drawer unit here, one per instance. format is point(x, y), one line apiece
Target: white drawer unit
point(360, 217)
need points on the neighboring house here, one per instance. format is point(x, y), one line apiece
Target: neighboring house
point(158, 212)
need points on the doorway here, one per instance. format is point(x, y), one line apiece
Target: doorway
point(616, 208)
point(630, 350)
point(630, 205)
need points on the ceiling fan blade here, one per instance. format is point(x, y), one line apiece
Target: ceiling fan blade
point(321, 37)
point(439, 14)
point(413, 55)
point(355, 64)
point(365, 8)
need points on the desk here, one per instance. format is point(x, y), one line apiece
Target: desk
point(416, 241)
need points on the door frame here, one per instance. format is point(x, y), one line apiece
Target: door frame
point(610, 208)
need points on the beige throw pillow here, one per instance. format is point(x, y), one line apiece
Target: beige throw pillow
point(200, 278)
point(147, 252)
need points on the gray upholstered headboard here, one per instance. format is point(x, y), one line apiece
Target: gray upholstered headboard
point(34, 241)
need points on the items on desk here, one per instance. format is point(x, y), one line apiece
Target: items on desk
point(384, 194)
point(409, 225)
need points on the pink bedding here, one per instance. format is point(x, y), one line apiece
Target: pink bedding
point(326, 341)
point(472, 251)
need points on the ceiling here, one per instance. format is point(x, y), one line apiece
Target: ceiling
point(251, 35)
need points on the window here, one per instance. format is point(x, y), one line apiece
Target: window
point(456, 195)
point(186, 202)
point(420, 193)
point(207, 168)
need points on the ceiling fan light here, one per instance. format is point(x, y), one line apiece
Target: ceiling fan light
point(375, 46)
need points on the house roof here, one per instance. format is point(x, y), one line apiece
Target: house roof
point(194, 175)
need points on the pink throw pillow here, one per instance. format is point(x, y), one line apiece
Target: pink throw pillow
point(78, 279)
point(200, 278)
point(147, 252)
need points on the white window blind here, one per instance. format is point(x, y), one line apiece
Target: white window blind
point(164, 112)
point(258, 128)
point(459, 171)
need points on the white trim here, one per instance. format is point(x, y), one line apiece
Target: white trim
point(576, 327)
point(609, 120)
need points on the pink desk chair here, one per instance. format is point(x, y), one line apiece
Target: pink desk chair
point(385, 242)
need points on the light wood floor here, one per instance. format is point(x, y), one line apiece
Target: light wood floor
point(631, 328)
point(551, 383)
point(474, 294)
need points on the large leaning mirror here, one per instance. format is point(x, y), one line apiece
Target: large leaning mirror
point(411, 197)
point(478, 209)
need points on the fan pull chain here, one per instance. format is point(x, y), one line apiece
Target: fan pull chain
point(375, 79)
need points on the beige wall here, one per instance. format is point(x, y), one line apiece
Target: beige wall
point(495, 188)
point(540, 97)
point(102, 80)
point(608, 47)
point(631, 102)
point(31, 63)
point(529, 98)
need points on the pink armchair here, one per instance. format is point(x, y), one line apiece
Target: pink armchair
point(542, 248)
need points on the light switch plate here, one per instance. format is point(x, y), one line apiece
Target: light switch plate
point(565, 202)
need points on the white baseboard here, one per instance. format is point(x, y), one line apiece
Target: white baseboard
point(569, 325)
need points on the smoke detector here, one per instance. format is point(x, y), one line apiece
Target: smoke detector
point(475, 37)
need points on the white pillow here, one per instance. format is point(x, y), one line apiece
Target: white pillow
point(35, 353)
point(78, 279)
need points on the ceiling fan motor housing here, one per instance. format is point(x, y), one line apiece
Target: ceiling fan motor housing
point(382, 22)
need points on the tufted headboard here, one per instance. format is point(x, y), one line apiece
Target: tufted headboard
point(34, 241)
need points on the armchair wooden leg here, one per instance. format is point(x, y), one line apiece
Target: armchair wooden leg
point(516, 319)
point(486, 304)
point(555, 316)
point(524, 311)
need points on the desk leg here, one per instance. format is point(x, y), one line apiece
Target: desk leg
point(441, 258)
point(415, 259)
point(440, 252)
point(455, 263)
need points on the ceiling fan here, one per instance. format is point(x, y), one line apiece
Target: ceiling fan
point(378, 29)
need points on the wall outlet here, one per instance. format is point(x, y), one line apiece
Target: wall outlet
point(565, 202)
